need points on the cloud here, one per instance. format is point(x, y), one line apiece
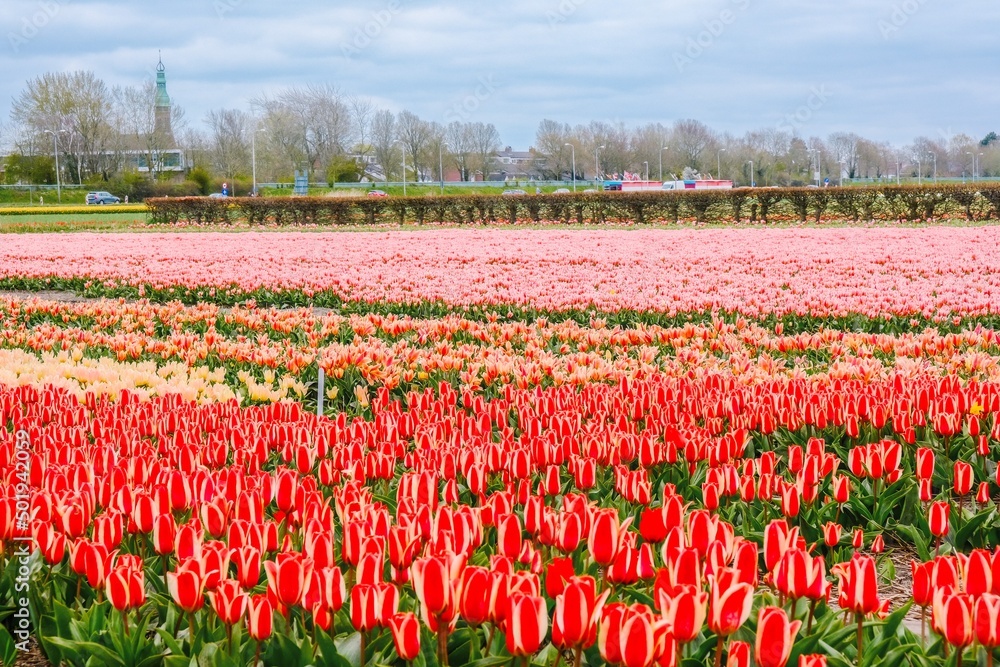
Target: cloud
point(571, 60)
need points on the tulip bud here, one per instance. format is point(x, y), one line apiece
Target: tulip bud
point(527, 624)
point(937, 518)
point(831, 533)
point(963, 478)
point(775, 636)
point(260, 618)
point(405, 635)
point(983, 494)
point(739, 654)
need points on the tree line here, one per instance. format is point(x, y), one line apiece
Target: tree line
point(340, 137)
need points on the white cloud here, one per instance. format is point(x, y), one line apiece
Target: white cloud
point(570, 60)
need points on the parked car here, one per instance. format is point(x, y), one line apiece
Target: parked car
point(561, 191)
point(217, 195)
point(378, 194)
point(511, 193)
point(102, 197)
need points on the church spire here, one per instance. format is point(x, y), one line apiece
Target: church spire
point(163, 124)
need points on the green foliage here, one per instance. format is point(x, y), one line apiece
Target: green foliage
point(343, 169)
point(30, 169)
point(201, 177)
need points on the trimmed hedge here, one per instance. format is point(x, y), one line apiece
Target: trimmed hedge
point(899, 203)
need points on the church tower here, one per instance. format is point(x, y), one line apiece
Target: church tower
point(162, 122)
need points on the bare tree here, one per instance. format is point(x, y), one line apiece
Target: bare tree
point(230, 141)
point(77, 106)
point(415, 135)
point(460, 145)
point(485, 145)
point(384, 143)
point(362, 115)
point(551, 139)
point(135, 119)
point(691, 139)
point(312, 123)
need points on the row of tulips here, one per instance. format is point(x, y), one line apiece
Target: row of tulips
point(268, 355)
point(925, 272)
point(444, 520)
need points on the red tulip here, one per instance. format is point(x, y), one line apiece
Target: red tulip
point(606, 535)
point(925, 463)
point(812, 660)
point(987, 620)
point(98, 562)
point(260, 618)
point(739, 655)
point(937, 518)
point(858, 585)
point(164, 534)
point(248, 564)
point(405, 635)
point(951, 616)
point(978, 573)
point(435, 579)
point(983, 494)
point(922, 575)
point(652, 525)
point(963, 478)
point(125, 588)
point(578, 608)
point(778, 537)
point(642, 638)
point(729, 607)
point(831, 533)
point(775, 636)
point(364, 607)
point(841, 489)
point(859, 538)
point(509, 536)
point(187, 586)
point(557, 573)
point(288, 577)
point(474, 595)
point(229, 601)
point(51, 543)
point(526, 625)
point(686, 610)
point(609, 633)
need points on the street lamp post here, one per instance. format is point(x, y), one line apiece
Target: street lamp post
point(752, 184)
point(55, 153)
point(646, 162)
point(934, 155)
point(573, 148)
point(718, 162)
point(597, 163)
point(980, 170)
point(253, 158)
point(661, 162)
point(920, 170)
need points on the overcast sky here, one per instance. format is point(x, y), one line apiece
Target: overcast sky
point(887, 69)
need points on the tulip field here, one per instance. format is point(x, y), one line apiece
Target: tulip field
point(491, 447)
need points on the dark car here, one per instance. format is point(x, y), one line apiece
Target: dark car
point(102, 198)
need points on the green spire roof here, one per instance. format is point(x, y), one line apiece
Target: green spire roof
point(162, 99)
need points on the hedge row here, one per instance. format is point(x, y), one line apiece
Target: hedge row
point(911, 203)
